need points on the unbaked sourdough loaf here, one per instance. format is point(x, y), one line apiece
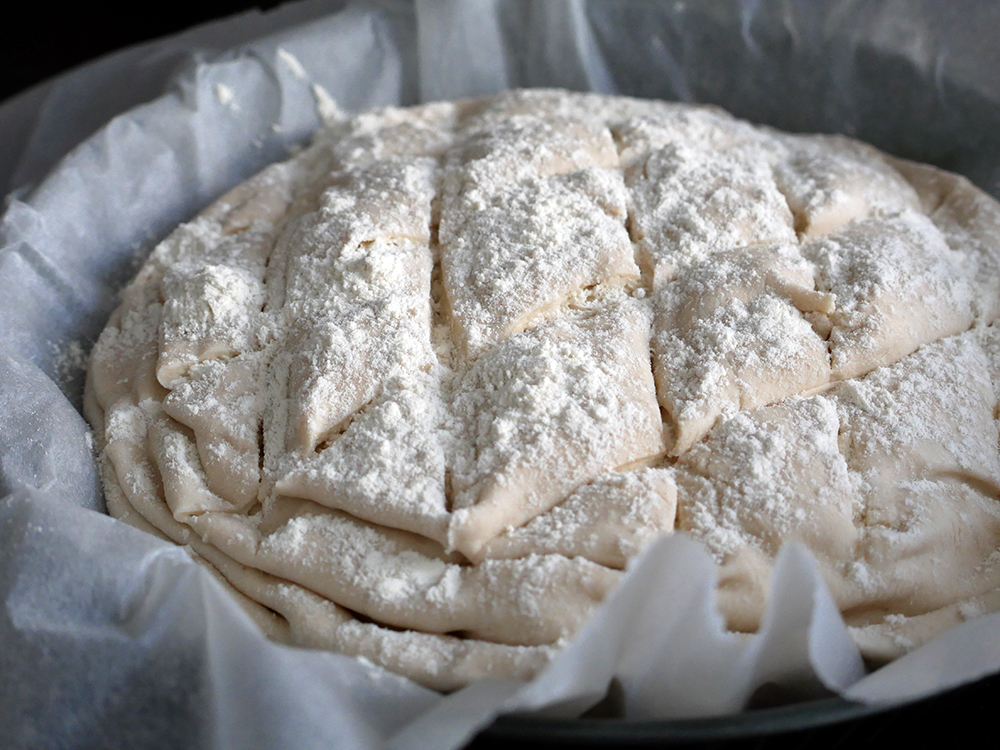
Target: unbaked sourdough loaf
point(420, 393)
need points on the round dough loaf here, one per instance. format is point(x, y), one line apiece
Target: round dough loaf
point(421, 392)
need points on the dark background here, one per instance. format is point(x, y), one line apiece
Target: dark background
point(45, 42)
point(49, 39)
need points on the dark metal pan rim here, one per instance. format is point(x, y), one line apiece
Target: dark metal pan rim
point(806, 715)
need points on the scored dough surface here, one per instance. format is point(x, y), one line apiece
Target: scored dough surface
point(420, 393)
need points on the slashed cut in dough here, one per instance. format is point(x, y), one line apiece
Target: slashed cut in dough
point(422, 392)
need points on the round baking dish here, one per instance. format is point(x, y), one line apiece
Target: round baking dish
point(961, 114)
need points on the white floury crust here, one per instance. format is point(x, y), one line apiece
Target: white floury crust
point(420, 393)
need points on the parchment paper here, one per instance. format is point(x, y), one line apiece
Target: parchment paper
point(110, 638)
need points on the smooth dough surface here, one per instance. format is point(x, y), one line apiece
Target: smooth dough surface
point(422, 392)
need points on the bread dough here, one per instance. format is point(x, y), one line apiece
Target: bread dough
point(420, 393)
point(891, 480)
